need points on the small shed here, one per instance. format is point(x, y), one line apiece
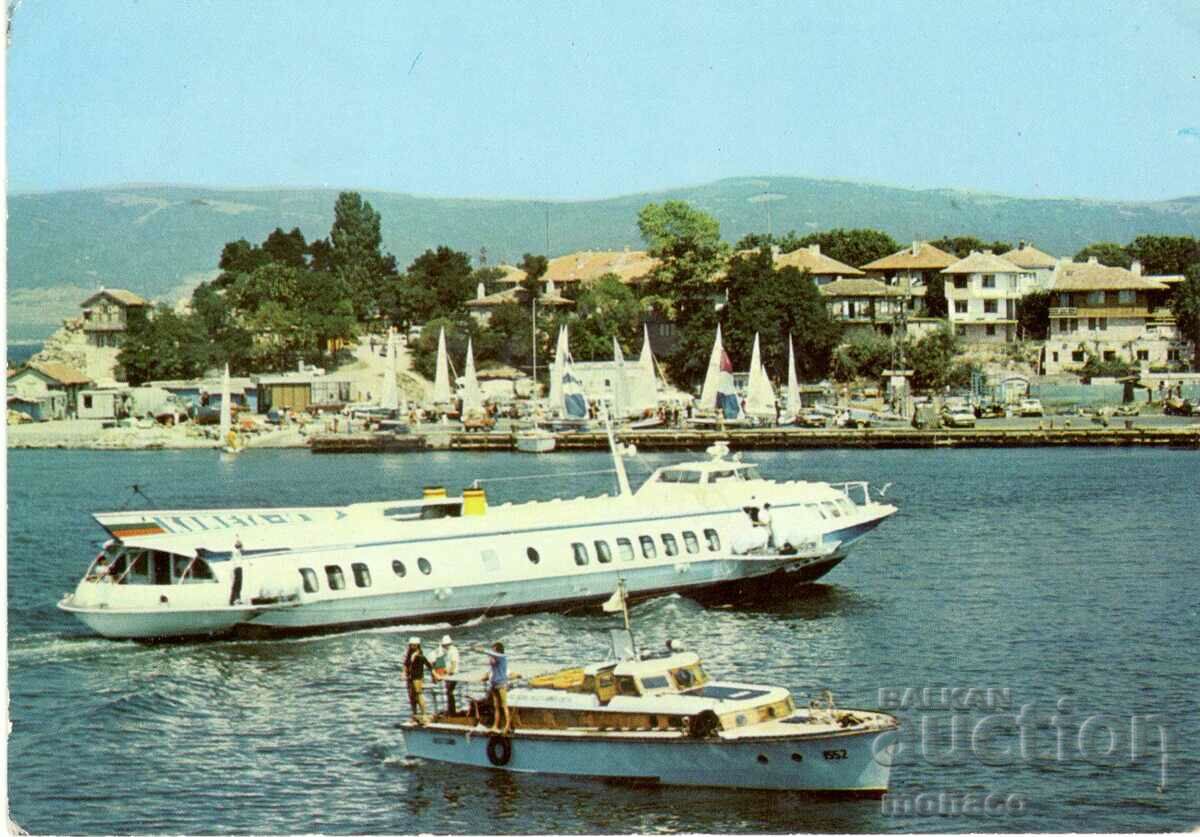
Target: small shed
point(100, 404)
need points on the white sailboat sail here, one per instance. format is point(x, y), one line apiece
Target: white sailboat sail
point(760, 395)
point(226, 407)
point(793, 384)
point(620, 387)
point(643, 385)
point(441, 380)
point(556, 372)
point(708, 395)
point(472, 397)
point(389, 397)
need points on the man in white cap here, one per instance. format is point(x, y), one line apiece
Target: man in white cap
point(415, 664)
point(445, 667)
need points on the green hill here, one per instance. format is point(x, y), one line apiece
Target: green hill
point(156, 239)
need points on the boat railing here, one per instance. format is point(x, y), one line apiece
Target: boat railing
point(862, 487)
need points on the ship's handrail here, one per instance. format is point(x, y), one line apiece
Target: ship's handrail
point(851, 485)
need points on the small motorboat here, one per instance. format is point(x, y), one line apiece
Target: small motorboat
point(534, 440)
point(659, 718)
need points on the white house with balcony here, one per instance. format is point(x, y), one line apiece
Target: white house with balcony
point(1112, 313)
point(982, 291)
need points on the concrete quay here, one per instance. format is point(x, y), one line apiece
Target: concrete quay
point(780, 438)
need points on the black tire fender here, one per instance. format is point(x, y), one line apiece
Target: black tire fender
point(499, 750)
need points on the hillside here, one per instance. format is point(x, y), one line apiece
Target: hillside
point(158, 240)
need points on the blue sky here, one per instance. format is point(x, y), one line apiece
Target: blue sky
point(584, 100)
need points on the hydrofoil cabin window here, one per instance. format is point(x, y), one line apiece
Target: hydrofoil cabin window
point(362, 575)
point(649, 550)
point(625, 549)
point(333, 574)
point(679, 475)
point(398, 569)
point(130, 567)
point(310, 580)
point(669, 544)
point(533, 555)
point(581, 554)
point(603, 552)
point(714, 540)
point(691, 543)
point(424, 566)
point(199, 570)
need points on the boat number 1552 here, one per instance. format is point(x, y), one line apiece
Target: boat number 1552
point(834, 755)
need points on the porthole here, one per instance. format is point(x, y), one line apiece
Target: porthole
point(333, 574)
point(762, 759)
point(533, 555)
point(310, 580)
point(398, 569)
point(424, 566)
point(796, 757)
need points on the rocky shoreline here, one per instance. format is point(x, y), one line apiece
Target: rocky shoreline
point(86, 434)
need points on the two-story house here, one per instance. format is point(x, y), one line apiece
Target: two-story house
point(1109, 312)
point(982, 291)
point(106, 316)
point(909, 271)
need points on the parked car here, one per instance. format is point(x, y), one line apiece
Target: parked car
point(959, 417)
point(1031, 407)
point(990, 409)
point(811, 418)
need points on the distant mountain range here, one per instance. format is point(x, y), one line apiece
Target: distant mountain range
point(160, 240)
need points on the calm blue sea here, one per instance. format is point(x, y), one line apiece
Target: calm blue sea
point(1065, 581)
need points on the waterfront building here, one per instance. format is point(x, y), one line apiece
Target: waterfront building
point(982, 291)
point(46, 390)
point(910, 270)
point(107, 314)
point(863, 303)
point(484, 304)
point(630, 266)
point(1113, 314)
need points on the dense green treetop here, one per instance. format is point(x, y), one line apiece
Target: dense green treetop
point(1033, 315)
point(963, 245)
point(1165, 255)
point(1185, 305)
point(1106, 252)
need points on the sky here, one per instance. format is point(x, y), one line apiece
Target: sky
point(586, 100)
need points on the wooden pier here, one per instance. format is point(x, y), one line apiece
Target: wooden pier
point(779, 439)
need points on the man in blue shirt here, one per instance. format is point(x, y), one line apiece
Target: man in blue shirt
point(497, 680)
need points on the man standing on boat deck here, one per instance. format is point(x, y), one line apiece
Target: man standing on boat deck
point(448, 659)
point(497, 680)
point(415, 664)
point(236, 569)
point(764, 520)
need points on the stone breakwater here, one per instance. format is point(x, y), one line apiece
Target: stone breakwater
point(93, 435)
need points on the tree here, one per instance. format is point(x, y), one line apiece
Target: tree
point(605, 309)
point(775, 304)
point(932, 359)
point(1033, 315)
point(286, 248)
point(963, 245)
point(228, 341)
point(862, 354)
point(683, 286)
point(163, 345)
point(1186, 307)
point(1106, 252)
point(1169, 255)
point(353, 253)
point(535, 268)
point(936, 304)
point(853, 247)
point(443, 281)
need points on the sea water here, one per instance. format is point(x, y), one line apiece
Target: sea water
point(1030, 615)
